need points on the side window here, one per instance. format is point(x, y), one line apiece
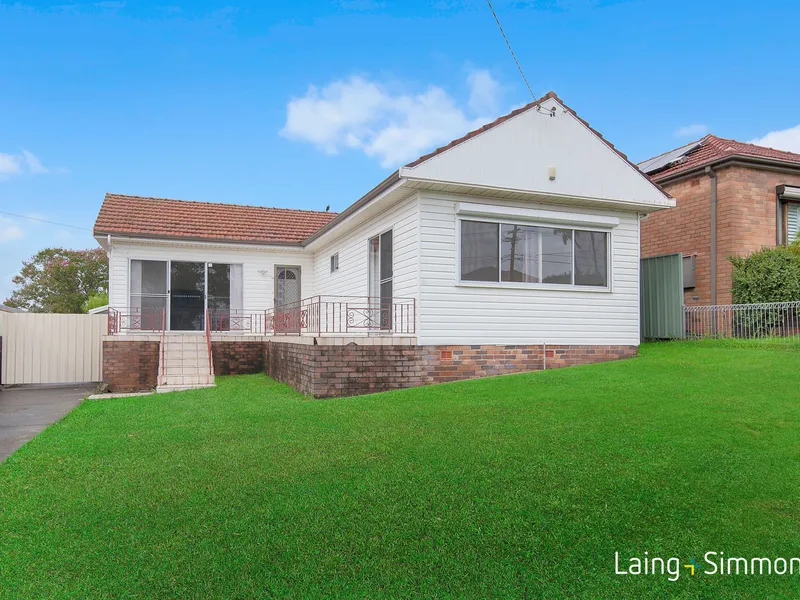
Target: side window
point(335, 262)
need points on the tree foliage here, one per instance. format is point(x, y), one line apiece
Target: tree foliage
point(100, 299)
point(60, 280)
point(769, 275)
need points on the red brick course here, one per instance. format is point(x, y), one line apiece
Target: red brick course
point(332, 371)
point(130, 366)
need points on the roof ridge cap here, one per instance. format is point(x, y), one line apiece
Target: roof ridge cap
point(227, 204)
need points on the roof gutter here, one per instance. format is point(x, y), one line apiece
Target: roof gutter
point(193, 240)
point(728, 161)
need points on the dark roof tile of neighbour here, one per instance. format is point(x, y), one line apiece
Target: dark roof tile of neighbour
point(711, 149)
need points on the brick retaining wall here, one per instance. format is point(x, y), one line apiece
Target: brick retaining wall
point(130, 366)
point(238, 358)
point(326, 371)
point(330, 370)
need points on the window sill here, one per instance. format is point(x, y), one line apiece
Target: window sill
point(550, 287)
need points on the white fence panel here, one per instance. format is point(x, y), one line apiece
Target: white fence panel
point(52, 348)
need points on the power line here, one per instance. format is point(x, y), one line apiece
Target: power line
point(514, 56)
point(10, 214)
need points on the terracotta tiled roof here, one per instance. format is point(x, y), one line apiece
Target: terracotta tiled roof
point(713, 148)
point(165, 218)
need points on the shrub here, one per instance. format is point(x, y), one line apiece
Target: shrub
point(100, 299)
point(769, 275)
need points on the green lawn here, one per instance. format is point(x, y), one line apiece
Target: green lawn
point(517, 486)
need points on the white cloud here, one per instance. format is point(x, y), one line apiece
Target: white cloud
point(394, 127)
point(10, 164)
point(16, 164)
point(695, 130)
point(9, 230)
point(783, 139)
point(35, 166)
point(484, 96)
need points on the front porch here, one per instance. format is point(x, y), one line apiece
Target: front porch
point(142, 351)
point(335, 318)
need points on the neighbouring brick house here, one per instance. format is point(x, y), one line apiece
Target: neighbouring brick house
point(757, 193)
point(513, 248)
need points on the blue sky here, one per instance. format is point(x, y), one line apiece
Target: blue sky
point(303, 104)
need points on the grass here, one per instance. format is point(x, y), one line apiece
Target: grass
point(517, 486)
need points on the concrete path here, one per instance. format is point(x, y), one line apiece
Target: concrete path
point(25, 411)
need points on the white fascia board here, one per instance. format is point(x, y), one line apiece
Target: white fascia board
point(368, 210)
point(532, 214)
point(669, 202)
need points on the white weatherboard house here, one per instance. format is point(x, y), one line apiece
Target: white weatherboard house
point(515, 245)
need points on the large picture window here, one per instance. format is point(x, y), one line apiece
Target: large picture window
point(504, 252)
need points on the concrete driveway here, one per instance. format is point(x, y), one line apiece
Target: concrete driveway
point(25, 411)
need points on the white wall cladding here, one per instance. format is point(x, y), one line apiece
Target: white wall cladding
point(518, 153)
point(258, 287)
point(453, 314)
point(351, 279)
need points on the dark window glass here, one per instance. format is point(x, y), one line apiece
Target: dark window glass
point(480, 251)
point(219, 286)
point(591, 258)
point(386, 255)
point(187, 296)
point(536, 254)
point(153, 277)
point(557, 256)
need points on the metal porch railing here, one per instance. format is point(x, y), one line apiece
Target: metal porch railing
point(323, 315)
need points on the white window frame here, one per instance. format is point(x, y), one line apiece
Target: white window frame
point(334, 259)
point(380, 281)
point(562, 287)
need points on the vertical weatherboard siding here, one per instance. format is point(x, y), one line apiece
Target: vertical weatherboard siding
point(454, 314)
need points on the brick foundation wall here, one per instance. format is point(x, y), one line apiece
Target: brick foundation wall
point(334, 371)
point(292, 364)
point(130, 366)
point(454, 363)
point(351, 370)
point(745, 223)
point(238, 358)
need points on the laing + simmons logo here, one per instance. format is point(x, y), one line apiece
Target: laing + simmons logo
point(713, 563)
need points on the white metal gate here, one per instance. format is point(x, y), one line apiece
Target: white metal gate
point(51, 348)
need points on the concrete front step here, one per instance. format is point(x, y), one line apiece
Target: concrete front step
point(163, 389)
point(186, 363)
point(193, 380)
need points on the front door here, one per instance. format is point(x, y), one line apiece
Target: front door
point(287, 299)
point(187, 296)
